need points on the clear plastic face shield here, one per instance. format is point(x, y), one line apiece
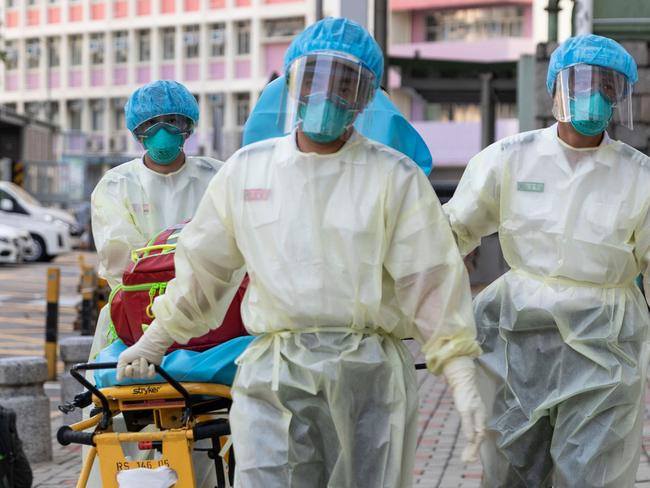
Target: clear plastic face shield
point(326, 92)
point(590, 96)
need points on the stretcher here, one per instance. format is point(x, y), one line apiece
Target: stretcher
point(182, 409)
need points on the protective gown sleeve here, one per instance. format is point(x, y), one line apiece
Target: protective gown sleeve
point(114, 230)
point(431, 282)
point(473, 211)
point(209, 269)
point(642, 250)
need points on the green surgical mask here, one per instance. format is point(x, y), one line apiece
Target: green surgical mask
point(324, 121)
point(590, 114)
point(163, 147)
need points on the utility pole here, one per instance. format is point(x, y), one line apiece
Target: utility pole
point(381, 35)
point(553, 10)
point(583, 15)
point(319, 10)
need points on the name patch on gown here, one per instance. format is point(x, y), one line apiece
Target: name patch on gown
point(530, 186)
point(256, 194)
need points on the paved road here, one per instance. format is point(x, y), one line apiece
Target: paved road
point(22, 307)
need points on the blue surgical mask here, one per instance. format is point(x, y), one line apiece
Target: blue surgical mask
point(163, 147)
point(324, 121)
point(590, 114)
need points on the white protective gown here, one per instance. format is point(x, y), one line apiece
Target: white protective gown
point(565, 332)
point(130, 205)
point(347, 253)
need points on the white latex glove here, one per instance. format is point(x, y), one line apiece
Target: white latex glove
point(138, 360)
point(461, 376)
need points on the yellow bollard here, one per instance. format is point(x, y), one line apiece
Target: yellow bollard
point(52, 320)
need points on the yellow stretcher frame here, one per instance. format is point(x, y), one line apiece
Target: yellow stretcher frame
point(176, 435)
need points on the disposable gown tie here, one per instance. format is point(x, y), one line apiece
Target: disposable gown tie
point(565, 332)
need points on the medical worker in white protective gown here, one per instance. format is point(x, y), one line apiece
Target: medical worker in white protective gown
point(564, 333)
point(136, 200)
point(348, 252)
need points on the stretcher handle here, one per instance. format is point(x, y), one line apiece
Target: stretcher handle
point(65, 435)
point(74, 371)
point(420, 366)
point(211, 429)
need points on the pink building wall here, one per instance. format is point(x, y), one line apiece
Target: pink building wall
point(242, 68)
point(269, 2)
point(120, 75)
point(53, 15)
point(32, 81)
point(167, 72)
point(217, 3)
point(97, 11)
point(97, 77)
point(33, 16)
point(274, 57)
point(437, 4)
point(438, 135)
point(75, 13)
point(242, 3)
point(191, 5)
point(483, 50)
point(120, 9)
point(74, 78)
point(11, 81)
point(54, 79)
point(143, 7)
point(167, 6)
point(12, 17)
point(143, 74)
point(191, 71)
point(217, 70)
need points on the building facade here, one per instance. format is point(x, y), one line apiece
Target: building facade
point(75, 62)
point(460, 32)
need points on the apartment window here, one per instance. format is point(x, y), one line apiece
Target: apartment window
point(287, 27)
point(96, 46)
point(168, 43)
point(74, 114)
point(474, 23)
point(53, 52)
point(144, 45)
point(191, 41)
point(456, 112)
point(11, 55)
point(118, 114)
point(217, 40)
point(97, 115)
point(242, 105)
point(32, 109)
point(10, 3)
point(32, 49)
point(243, 37)
point(31, 2)
point(120, 47)
point(75, 47)
point(51, 112)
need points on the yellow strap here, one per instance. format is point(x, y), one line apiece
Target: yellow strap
point(135, 254)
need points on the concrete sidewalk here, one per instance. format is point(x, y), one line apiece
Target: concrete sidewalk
point(440, 444)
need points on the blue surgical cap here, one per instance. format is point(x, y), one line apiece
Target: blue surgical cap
point(590, 49)
point(342, 35)
point(162, 97)
point(381, 121)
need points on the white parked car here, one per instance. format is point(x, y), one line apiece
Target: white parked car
point(10, 246)
point(52, 230)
